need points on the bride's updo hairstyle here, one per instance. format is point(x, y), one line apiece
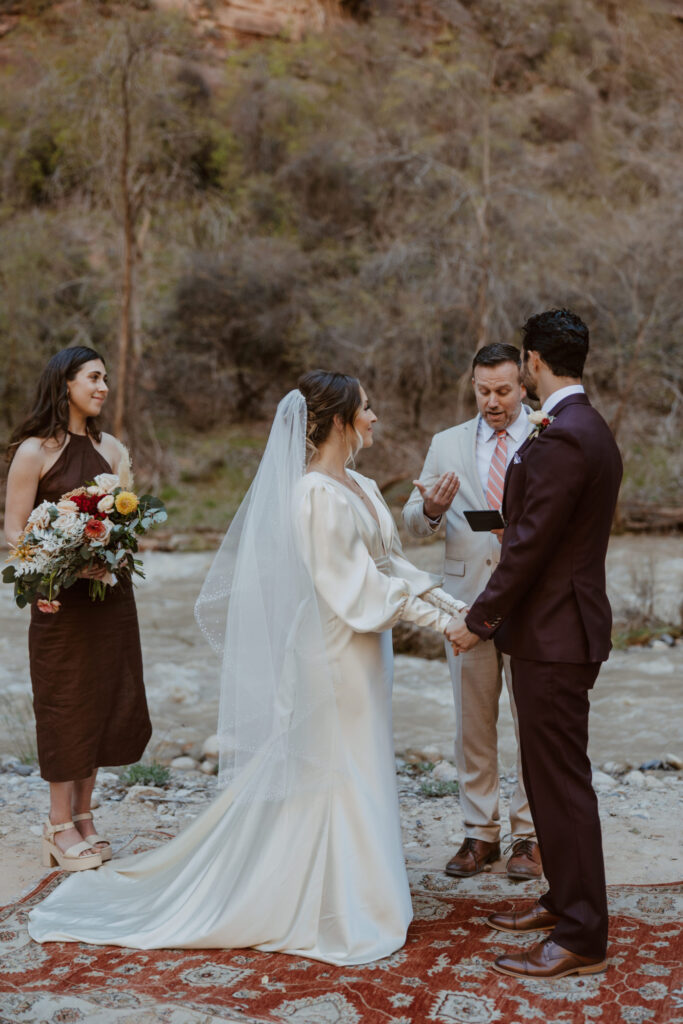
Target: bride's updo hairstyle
point(327, 395)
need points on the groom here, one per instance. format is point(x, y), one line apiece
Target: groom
point(546, 606)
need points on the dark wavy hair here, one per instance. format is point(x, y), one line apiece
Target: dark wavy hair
point(49, 415)
point(561, 339)
point(327, 395)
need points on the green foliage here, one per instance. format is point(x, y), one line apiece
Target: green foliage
point(153, 774)
point(436, 788)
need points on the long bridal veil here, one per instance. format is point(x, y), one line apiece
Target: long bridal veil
point(257, 608)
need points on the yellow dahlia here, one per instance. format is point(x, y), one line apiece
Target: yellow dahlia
point(126, 502)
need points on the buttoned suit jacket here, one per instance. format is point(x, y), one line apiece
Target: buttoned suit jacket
point(547, 600)
point(470, 557)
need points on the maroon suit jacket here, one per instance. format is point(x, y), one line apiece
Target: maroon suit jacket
point(546, 601)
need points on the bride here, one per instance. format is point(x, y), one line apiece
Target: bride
point(301, 851)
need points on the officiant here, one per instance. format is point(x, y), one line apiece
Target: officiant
point(465, 470)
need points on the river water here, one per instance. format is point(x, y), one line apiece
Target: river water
point(636, 704)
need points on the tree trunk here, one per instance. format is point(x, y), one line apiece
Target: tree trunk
point(125, 381)
point(481, 212)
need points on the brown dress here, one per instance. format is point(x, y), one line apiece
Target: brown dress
point(86, 663)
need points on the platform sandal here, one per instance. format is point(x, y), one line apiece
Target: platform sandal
point(67, 860)
point(94, 839)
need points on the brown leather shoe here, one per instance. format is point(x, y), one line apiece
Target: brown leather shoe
point(547, 960)
point(535, 919)
point(525, 861)
point(472, 857)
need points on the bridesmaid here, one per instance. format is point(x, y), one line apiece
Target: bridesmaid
point(86, 663)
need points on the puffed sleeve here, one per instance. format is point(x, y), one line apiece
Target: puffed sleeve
point(344, 573)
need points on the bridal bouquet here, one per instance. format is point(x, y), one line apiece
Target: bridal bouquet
point(97, 525)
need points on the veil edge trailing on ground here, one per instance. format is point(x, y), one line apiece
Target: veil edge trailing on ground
point(259, 612)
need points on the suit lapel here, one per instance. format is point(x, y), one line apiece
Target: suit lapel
point(577, 399)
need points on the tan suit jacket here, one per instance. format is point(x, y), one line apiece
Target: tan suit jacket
point(470, 557)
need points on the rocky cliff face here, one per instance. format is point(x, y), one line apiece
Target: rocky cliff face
point(258, 18)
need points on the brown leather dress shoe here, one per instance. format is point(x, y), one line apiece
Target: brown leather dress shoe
point(472, 857)
point(525, 861)
point(547, 960)
point(535, 919)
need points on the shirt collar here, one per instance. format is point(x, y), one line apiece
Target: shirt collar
point(558, 396)
point(517, 430)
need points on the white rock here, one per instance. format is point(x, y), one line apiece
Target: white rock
point(602, 782)
point(36, 830)
point(652, 782)
point(673, 760)
point(210, 747)
point(142, 793)
point(95, 800)
point(641, 814)
point(444, 771)
point(185, 764)
point(107, 778)
point(635, 778)
point(208, 766)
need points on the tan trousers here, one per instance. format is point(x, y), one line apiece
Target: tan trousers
point(477, 683)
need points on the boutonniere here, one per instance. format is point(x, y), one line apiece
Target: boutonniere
point(539, 421)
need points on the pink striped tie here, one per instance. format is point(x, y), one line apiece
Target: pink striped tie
point(496, 481)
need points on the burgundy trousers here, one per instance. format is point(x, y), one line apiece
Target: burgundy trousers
point(552, 708)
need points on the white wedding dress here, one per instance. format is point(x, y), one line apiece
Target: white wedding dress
point(318, 873)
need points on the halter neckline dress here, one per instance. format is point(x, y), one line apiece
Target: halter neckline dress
point(86, 663)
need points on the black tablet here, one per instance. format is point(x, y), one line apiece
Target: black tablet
point(484, 519)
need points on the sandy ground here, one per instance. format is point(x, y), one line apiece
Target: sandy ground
point(635, 719)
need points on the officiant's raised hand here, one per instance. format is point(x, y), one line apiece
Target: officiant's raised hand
point(459, 636)
point(437, 499)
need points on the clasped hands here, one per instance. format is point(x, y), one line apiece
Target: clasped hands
point(458, 635)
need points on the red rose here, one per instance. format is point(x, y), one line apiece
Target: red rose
point(86, 502)
point(546, 422)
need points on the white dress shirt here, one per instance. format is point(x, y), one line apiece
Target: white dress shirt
point(517, 431)
point(557, 396)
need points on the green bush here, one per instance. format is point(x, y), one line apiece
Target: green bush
point(153, 774)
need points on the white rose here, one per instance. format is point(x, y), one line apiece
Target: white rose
point(106, 503)
point(536, 418)
point(66, 505)
point(93, 489)
point(40, 517)
point(69, 525)
point(106, 483)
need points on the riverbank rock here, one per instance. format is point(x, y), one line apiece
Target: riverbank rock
point(603, 782)
point(444, 771)
point(184, 764)
point(140, 794)
point(210, 747)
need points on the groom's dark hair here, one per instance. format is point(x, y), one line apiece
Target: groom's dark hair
point(561, 339)
point(493, 355)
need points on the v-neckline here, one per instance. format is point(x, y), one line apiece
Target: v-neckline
point(375, 518)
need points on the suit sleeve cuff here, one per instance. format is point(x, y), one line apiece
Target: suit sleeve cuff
point(433, 522)
point(481, 627)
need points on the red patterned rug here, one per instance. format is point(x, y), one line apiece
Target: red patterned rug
point(442, 974)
